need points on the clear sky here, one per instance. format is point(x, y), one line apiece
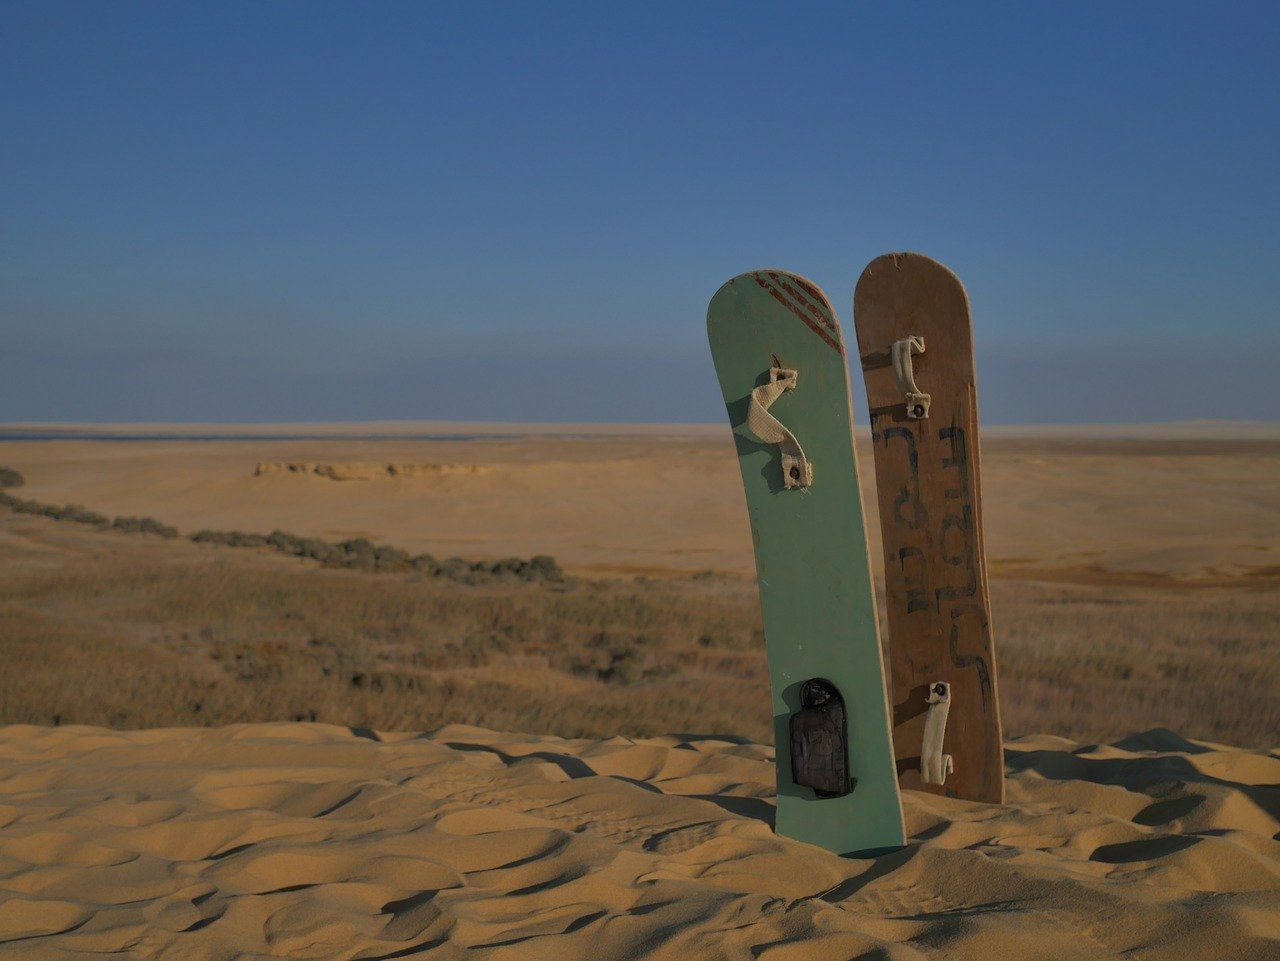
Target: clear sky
point(500, 211)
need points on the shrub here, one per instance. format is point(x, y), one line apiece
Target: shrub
point(82, 515)
point(358, 547)
point(626, 666)
point(425, 563)
point(285, 542)
point(546, 567)
point(229, 538)
point(319, 550)
point(390, 559)
point(67, 512)
point(359, 553)
point(11, 478)
point(455, 569)
point(143, 525)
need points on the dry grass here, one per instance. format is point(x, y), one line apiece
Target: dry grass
point(1097, 662)
point(98, 628)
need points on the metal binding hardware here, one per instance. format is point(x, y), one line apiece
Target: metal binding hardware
point(934, 765)
point(917, 402)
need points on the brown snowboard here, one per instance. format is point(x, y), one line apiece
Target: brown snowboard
point(931, 519)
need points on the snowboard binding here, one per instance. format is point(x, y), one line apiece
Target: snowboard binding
point(797, 472)
point(917, 402)
point(934, 765)
point(820, 741)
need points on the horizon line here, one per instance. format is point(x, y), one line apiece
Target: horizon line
point(449, 426)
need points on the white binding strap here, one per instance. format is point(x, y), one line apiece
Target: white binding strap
point(934, 765)
point(917, 402)
point(797, 472)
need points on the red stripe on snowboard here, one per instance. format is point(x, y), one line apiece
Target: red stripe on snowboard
point(776, 294)
point(813, 306)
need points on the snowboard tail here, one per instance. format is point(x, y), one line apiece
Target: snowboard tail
point(915, 344)
point(780, 360)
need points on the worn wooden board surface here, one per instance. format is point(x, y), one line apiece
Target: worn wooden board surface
point(927, 479)
point(810, 548)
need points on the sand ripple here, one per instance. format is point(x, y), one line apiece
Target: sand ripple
point(311, 841)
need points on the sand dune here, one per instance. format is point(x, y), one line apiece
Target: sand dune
point(314, 841)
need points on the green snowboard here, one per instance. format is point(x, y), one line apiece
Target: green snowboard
point(780, 359)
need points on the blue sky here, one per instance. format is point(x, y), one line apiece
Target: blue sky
point(319, 211)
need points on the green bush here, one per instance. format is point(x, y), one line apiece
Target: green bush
point(425, 564)
point(391, 559)
point(143, 525)
point(545, 568)
point(67, 512)
point(11, 478)
point(455, 569)
point(358, 553)
point(229, 538)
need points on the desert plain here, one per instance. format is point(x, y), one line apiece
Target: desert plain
point(228, 752)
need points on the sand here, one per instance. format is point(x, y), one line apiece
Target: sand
point(314, 841)
point(1190, 503)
